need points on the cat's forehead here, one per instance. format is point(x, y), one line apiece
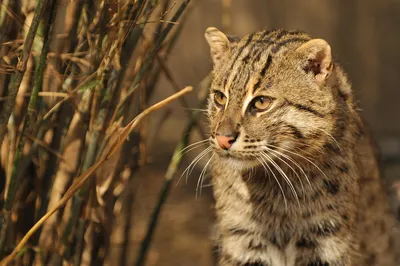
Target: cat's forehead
point(249, 66)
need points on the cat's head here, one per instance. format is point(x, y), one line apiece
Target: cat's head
point(272, 92)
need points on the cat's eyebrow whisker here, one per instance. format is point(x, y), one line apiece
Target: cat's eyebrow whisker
point(278, 156)
point(287, 157)
point(283, 174)
point(194, 162)
point(301, 156)
point(265, 164)
point(190, 147)
point(201, 177)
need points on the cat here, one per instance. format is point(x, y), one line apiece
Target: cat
point(295, 173)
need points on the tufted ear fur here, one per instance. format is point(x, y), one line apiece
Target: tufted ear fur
point(318, 59)
point(219, 44)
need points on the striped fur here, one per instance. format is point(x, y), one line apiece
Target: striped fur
point(301, 184)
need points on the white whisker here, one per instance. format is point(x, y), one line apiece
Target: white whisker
point(330, 135)
point(288, 165)
point(283, 174)
point(301, 156)
point(293, 161)
point(184, 150)
point(265, 164)
point(201, 177)
point(193, 163)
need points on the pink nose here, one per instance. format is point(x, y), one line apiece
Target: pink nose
point(225, 142)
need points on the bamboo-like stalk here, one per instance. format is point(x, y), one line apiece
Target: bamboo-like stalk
point(148, 61)
point(104, 46)
point(81, 180)
point(20, 69)
point(28, 121)
point(171, 171)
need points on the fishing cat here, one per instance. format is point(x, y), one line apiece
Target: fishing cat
point(295, 175)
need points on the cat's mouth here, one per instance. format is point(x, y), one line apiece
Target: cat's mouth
point(235, 155)
point(237, 161)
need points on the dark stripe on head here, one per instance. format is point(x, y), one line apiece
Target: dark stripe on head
point(257, 56)
point(249, 39)
point(304, 108)
point(245, 84)
point(267, 34)
point(281, 44)
point(287, 33)
point(262, 73)
point(249, 55)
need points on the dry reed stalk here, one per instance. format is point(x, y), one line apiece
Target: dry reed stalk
point(20, 70)
point(28, 120)
point(90, 67)
point(170, 173)
point(81, 180)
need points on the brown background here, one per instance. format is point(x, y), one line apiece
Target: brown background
point(365, 40)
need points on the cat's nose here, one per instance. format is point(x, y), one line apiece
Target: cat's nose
point(225, 142)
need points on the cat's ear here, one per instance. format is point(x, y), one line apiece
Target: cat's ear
point(317, 57)
point(220, 44)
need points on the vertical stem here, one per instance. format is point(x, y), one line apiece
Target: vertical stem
point(20, 71)
point(172, 168)
point(28, 119)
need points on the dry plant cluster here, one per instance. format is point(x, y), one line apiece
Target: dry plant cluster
point(75, 81)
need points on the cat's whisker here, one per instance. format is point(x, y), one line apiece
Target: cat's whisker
point(287, 157)
point(201, 177)
point(288, 165)
point(330, 135)
point(190, 147)
point(191, 170)
point(194, 162)
point(283, 174)
point(301, 156)
point(265, 164)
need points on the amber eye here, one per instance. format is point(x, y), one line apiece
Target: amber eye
point(261, 103)
point(219, 98)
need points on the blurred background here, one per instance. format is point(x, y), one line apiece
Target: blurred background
point(132, 212)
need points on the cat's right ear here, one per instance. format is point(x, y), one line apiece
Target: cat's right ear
point(219, 44)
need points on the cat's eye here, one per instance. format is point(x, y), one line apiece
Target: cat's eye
point(260, 103)
point(219, 99)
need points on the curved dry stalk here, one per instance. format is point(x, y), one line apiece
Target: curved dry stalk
point(80, 181)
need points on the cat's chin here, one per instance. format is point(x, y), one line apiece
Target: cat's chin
point(238, 163)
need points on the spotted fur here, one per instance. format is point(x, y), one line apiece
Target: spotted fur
point(300, 185)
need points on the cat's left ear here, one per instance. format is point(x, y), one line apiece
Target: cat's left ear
point(219, 44)
point(317, 59)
